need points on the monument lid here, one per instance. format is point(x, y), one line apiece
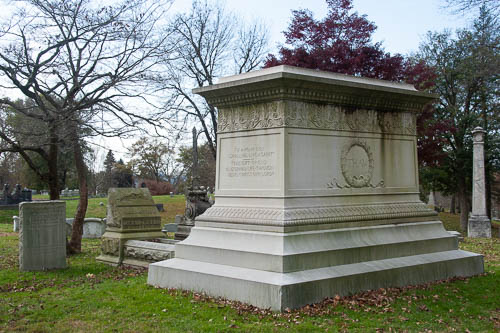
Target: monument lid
point(288, 82)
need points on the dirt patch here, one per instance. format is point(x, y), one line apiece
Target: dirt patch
point(5, 234)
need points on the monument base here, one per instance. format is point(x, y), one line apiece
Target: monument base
point(183, 231)
point(479, 226)
point(289, 270)
point(113, 244)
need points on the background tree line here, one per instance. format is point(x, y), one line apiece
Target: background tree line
point(125, 70)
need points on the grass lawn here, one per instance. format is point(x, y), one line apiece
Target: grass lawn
point(93, 297)
point(173, 206)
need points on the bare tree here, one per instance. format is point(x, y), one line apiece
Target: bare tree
point(153, 159)
point(467, 5)
point(208, 43)
point(77, 62)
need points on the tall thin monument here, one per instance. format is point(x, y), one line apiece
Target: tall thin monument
point(194, 175)
point(479, 223)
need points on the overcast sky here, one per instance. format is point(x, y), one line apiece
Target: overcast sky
point(401, 23)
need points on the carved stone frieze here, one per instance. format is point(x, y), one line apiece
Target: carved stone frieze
point(296, 114)
point(249, 117)
point(317, 215)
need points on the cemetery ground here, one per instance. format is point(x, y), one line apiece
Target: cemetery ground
point(90, 296)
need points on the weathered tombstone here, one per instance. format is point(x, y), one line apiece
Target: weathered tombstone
point(171, 194)
point(131, 214)
point(69, 226)
point(42, 235)
point(197, 201)
point(93, 228)
point(432, 200)
point(316, 194)
point(479, 224)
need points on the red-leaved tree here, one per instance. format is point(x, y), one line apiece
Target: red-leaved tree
point(341, 42)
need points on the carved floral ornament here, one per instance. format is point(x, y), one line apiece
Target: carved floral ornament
point(319, 215)
point(295, 114)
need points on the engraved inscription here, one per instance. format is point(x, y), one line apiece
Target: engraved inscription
point(141, 223)
point(254, 161)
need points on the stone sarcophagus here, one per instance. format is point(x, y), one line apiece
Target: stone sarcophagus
point(316, 194)
point(131, 215)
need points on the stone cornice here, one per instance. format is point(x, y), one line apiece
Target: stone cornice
point(290, 83)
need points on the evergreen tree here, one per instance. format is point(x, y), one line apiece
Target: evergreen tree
point(109, 162)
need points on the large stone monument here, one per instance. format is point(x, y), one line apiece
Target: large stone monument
point(42, 235)
point(131, 215)
point(479, 223)
point(316, 194)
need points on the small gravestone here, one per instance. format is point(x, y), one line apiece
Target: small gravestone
point(93, 228)
point(42, 235)
point(16, 223)
point(131, 214)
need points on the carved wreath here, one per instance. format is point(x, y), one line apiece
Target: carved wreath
point(356, 181)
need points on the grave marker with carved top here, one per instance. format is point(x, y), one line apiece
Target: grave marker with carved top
point(131, 214)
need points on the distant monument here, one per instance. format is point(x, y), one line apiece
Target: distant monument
point(19, 195)
point(479, 223)
point(317, 194)
point(42, 235)
point(197, 201)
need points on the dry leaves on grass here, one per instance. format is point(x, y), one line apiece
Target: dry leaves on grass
point(373, 301)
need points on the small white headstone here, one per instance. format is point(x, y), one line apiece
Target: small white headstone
point(16, 223)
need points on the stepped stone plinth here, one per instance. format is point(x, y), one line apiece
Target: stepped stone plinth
point(316, 194)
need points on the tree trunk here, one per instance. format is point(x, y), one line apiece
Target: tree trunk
point(53, 181)
point(75, 244)
point(464, 205)
point(453, 204)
